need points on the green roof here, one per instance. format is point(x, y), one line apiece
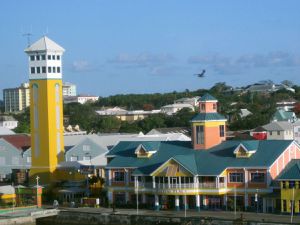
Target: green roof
point(208, 116)
point(291, 171)
point(199, 162)
point(282, 115)
point(207, 97)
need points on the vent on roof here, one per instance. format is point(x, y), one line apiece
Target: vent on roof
point(242, 152)
point(142, 152)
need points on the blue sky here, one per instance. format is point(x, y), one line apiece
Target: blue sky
point(118, 47)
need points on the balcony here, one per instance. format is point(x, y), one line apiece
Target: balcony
point(158, 186)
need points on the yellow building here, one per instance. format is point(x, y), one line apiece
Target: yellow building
point(290, 187)
point(46, 120)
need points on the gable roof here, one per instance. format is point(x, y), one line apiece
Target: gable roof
point(198, 161)
point(291, 171)
point(44, 44)
point(278, 126)
point(282, 115)
point(20, 141)
point(208, 116)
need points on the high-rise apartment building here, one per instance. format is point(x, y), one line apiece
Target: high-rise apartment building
point(16, 99)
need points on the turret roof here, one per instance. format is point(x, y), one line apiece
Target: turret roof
point(44, 44)
point(207, 97)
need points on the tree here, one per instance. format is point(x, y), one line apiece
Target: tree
point(108, 124)
point(23, 122)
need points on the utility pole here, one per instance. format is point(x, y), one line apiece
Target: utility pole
point(37, 188)
point(292, 205)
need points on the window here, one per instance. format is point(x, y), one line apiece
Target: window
point(86, 148)
point(49, 69)
point(53, 69)
point(270, 132)
point(257, 177)
point(222, 130)
point(44, 69)
point(58, 69)
point(43, 57)
point(278, 132)
point(32, 58)
point(119, 176)
point(53, 57)
point(37, 57)
point(58, 57)
point(202, 107)
point(236, 177)
point(86, 157)
point(28, 159)
point(214, 106)
point(38, 70)
point(291, 184)
point(74, 158)
point(49, 57)
point(32, 70)
point(200, 134)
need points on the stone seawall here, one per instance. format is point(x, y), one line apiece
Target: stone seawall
point(84, 218)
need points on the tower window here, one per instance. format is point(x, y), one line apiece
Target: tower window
point(49, 69)
point(58, 57)
point(200, 134)
point(49, 57)
point(32, 70)
point(58, 69)
point(38, 70)
point(214, 106)
point(32, 58)
point(202, 107)
point(43, 57)
point(53, 69)
point(222, 130)
point(37, 57)
point(53, 57)
point(44, 69)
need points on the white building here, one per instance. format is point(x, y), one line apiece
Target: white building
point(8, 122)
point(281, 130)
point(69, 89)
point(174, 108)
point(16, 99)
point(82, 99)
point(287, 105)
point(194, 101)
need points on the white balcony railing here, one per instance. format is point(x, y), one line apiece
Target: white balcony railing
point(149, 185)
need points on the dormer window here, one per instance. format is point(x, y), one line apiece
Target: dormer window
point(142, 152)
point(242, 152)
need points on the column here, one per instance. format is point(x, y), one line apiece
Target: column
point(198, 203)
point(110, 197)
point(156, 203)
point(109, 177)
point(177, 203)
point(126, 197)
point(225, 201)
point(169, 183)
point(127, 176)
point(153, 182)
point(217, 181)
point(246, 200)
point(144, 198)
point(264, 205)
point(180, 182)
point(246, 177)
point(195, 182)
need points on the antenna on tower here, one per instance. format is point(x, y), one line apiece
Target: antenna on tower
point(28, 37)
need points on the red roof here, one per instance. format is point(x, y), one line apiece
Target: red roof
point(20, 141)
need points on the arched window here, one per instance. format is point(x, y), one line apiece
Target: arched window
point(35, 98)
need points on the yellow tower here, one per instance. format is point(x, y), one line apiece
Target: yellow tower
point(46, 112)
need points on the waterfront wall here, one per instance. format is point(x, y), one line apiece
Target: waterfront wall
point(83, 218)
